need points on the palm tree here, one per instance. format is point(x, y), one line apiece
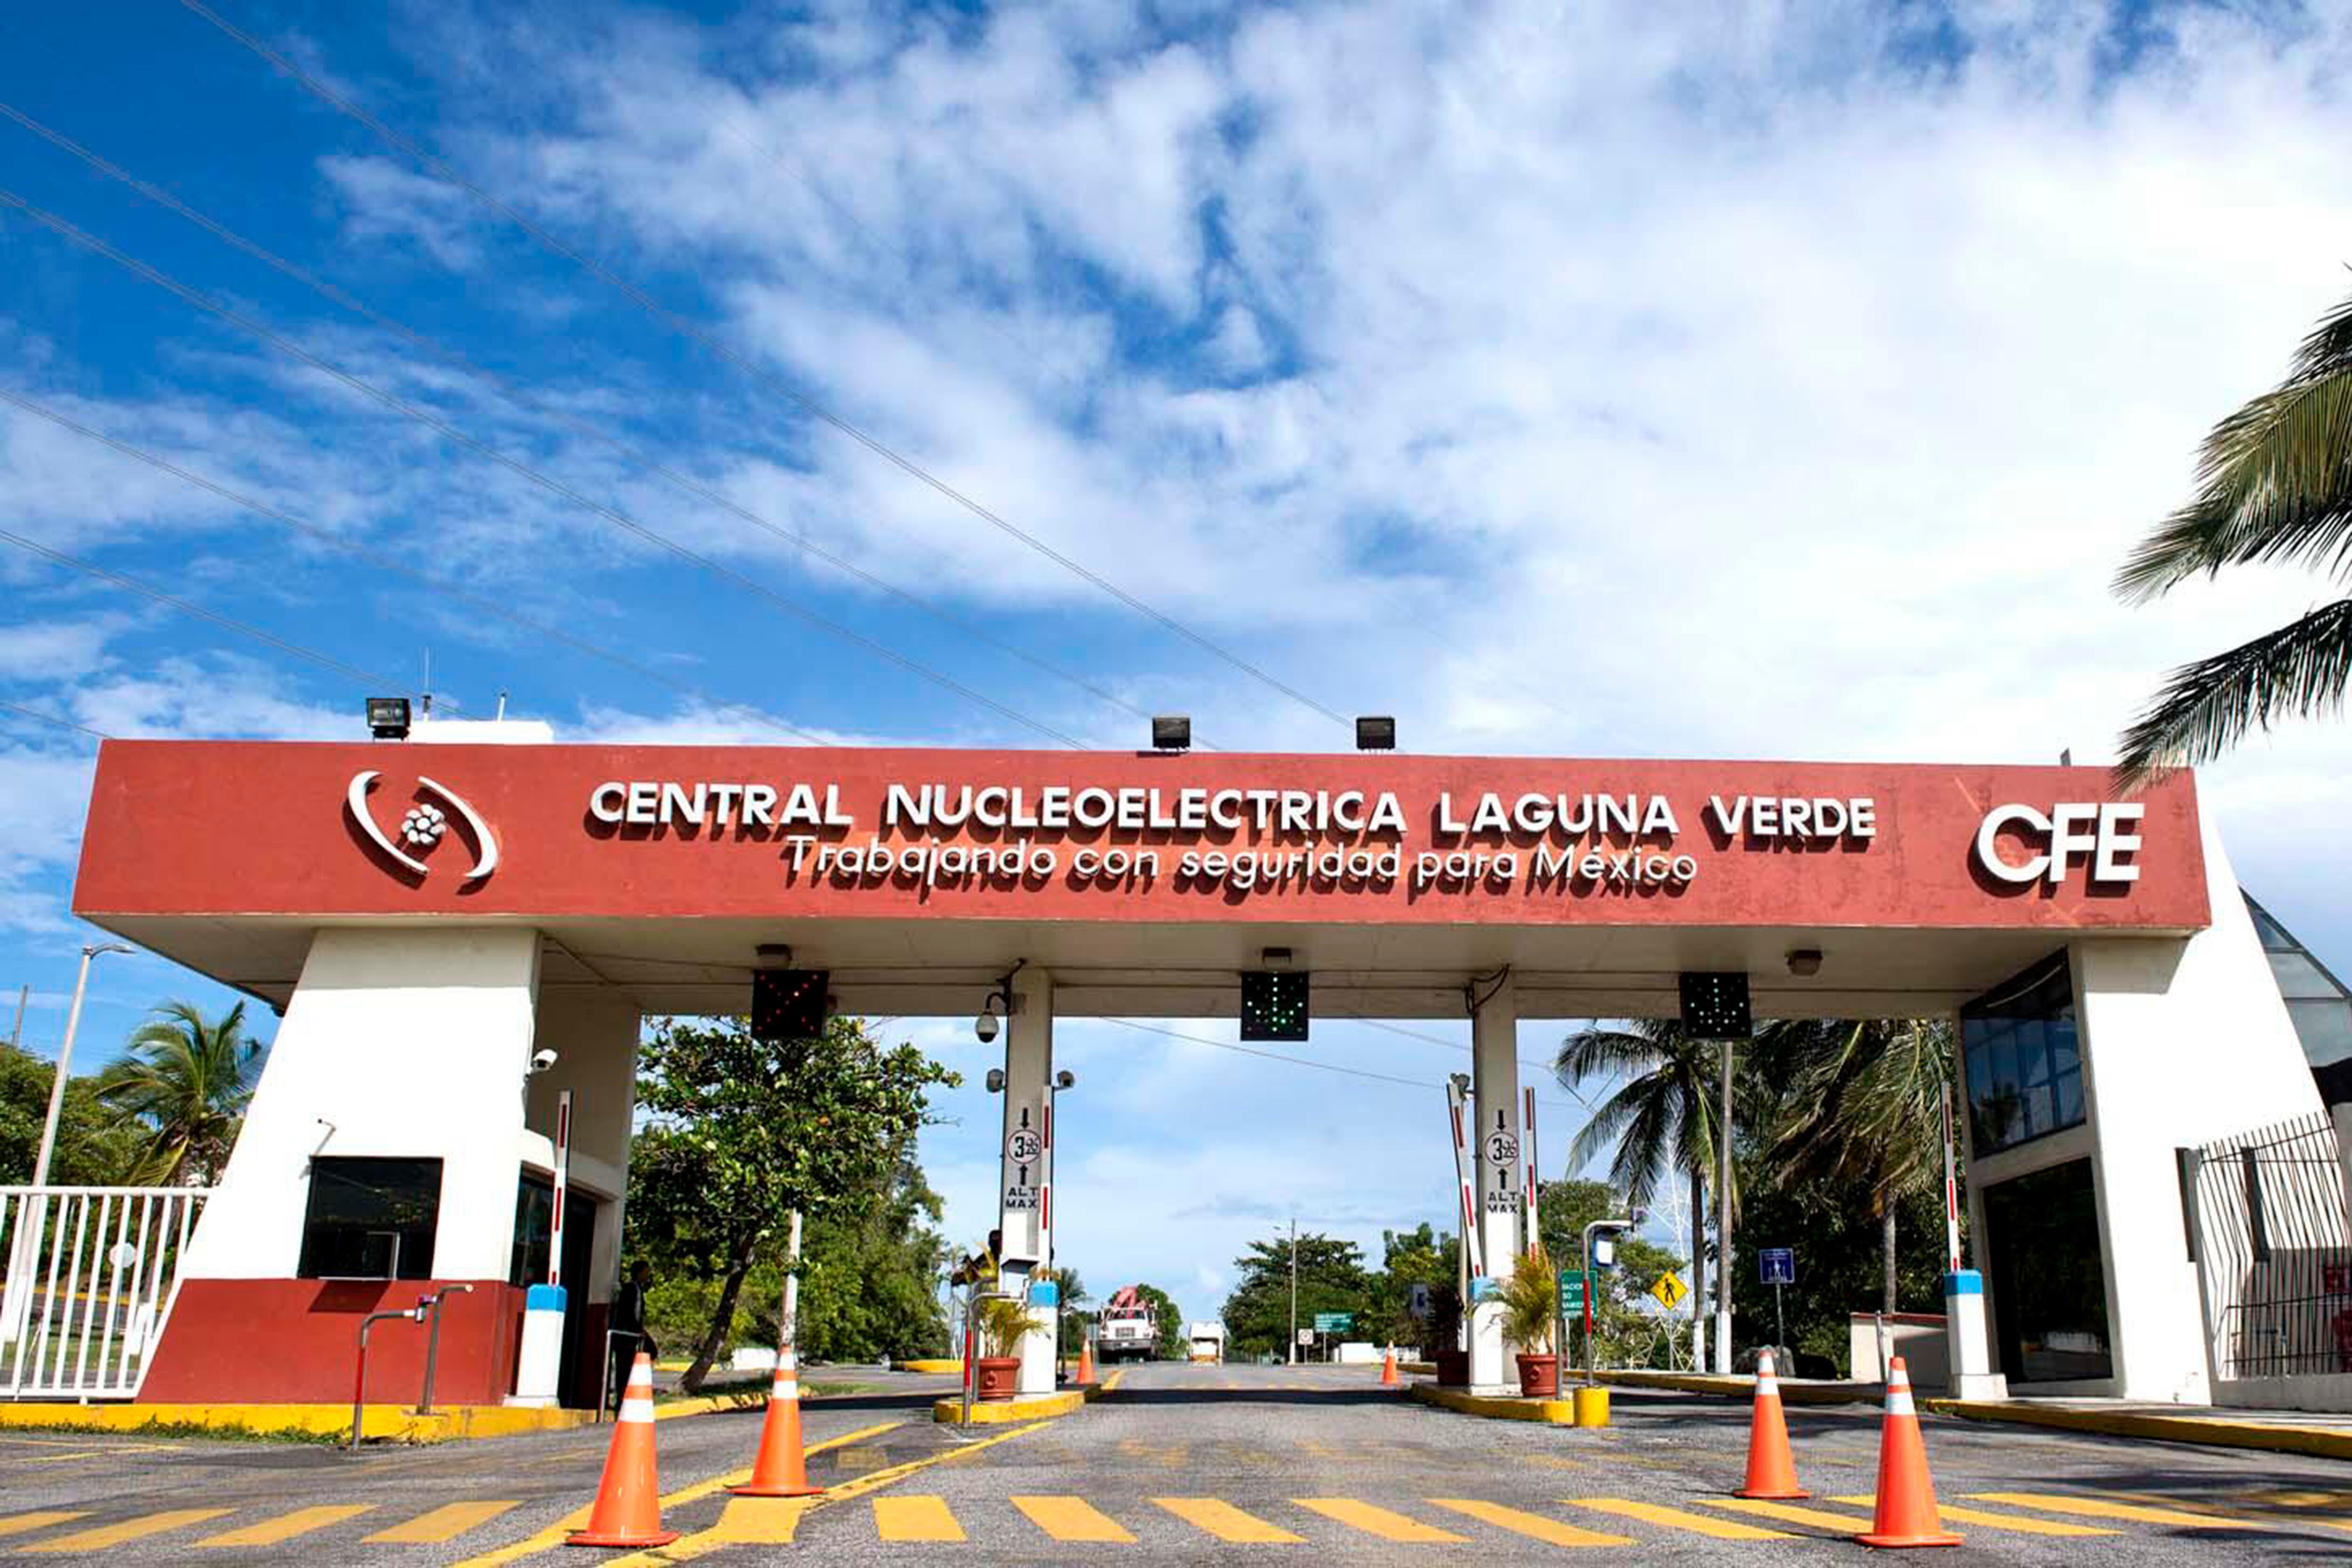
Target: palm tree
point(1866, 1105)
point(1662, 1117)
point(2274, 483)
point(183, 1080)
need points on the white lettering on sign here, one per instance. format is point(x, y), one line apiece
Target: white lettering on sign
point(647, 803)
point(1794, 816)
point(2106, 831)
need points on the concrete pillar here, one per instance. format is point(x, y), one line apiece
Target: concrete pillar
point(1023, 1156)
point(1494, 1100)
point(593, 1033)
point(405, 1041)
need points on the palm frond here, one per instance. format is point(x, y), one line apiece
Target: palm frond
point(2206, 707)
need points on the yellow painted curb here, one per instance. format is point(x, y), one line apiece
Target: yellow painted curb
point(384, 1421)
point(1791, 1393)
point(2319, 1442)
point(1557, 1412)
point(1418, 1368)
point(1038, 1407)
point(935, 1366)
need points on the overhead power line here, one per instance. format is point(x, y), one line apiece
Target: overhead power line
point(432, 421)
point(390, 564)
point(515, 393)
point(52, 719)
point(368, 679)
point(1279, 1057)
point(808, 405)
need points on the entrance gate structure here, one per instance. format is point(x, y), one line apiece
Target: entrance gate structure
point(430, 917)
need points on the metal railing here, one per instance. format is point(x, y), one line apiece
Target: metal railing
point(2273, 1249)
point(91, 1274)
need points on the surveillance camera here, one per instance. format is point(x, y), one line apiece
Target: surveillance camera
point(1805, 962)
point(542, 1058)
point(1065, 1079)
point(986, 1027)
point(995, 1080)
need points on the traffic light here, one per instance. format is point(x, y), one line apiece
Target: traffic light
point(1274, 1005)
point(1715, 1004)
point(787, 1005)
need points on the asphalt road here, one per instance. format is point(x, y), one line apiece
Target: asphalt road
point(1181, 1464)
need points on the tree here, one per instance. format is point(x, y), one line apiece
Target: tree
point(1829, 1226)
point(1626, 1319)
point(1662, 1117)
point(2274, 484)
point(742, 1132)
point(1168, 1323)
point(1420, 1255)
point(94, 1148)
point(1331, 1278)
point(1864, 1111)
point(870, 1281)
point(184, 1081)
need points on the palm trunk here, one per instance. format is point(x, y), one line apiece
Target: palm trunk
point(1886, 1245)
point(1698, 1267)
point(722, 1318)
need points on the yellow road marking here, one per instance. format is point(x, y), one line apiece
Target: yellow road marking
point(446, 1523)
point(756, 1522)
point(916, 1519)
point(862, 1458)
point(1534, 1526)
point(1227, 1523)
point(1675, 1518)
point(1380, 1521)
point(2016, 1522)
point(1071, 1518)
point(70, 1454)
point(1819, 1519)
point(286, 1526)
point(552, 1536)
point(139, 1528)
point(1171, 1454)
point(686, 1549)
point(19, 1523)
point(2094, 1507)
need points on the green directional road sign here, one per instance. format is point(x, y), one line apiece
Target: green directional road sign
point(1334, 1323)
point(1571, 1292)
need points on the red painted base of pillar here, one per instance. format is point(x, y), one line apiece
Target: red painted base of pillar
point(295, 1342)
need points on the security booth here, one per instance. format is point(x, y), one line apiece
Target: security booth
point(465, 941)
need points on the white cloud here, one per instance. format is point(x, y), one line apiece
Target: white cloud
point(383, 200)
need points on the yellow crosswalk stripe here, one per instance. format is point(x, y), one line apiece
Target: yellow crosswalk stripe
point(2094, 1508)
point(138, 1529)
point(1534, 1526)
point(1071, 1518)
point(446, 1523)
point(1380, 1521)
point(757, 1521)
point(1675, 1518)
point(915, 1518)
point(1227, 1523)
point(2016, 1522)
point(19, 1523)
point(1819, 1519)
point(286, 1526)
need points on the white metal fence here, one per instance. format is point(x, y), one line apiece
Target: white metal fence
point(91, 1272)
point(2274, 1247)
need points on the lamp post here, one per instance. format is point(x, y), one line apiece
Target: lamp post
point(1293, 1291)
point(65, 1061)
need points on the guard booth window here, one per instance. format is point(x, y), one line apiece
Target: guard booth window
point(2024, 1061)
point(370, 1219)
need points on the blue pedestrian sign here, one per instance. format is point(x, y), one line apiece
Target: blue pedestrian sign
point(1777, 1265)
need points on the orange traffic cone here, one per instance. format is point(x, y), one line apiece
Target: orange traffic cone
point(1771, 1468)
point(628, 1497)
point(1388, 1370)
point(1906, 1514)
point(781, 1469)
point(1086, 1362)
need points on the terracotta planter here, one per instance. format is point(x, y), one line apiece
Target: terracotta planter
point(1453, 1368)
point(1000, 1377)
point(1538, 1377)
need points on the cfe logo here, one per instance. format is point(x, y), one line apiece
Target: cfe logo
point(423, 826)
point(2106, 831)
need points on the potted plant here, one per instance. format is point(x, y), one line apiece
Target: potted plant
point(1530, 1305)
point(1001, 1322)
point(1444, 1338)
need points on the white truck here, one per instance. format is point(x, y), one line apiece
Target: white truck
point(1128, 1329)
point(1208, 1342)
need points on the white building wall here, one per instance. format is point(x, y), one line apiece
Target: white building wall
point(2183, 1042)
point(593, 1033)
point(399, 1041)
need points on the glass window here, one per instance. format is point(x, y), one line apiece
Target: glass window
point(2024, 1061)
point(2049, 1287)
point(370, 1219)
point(534, 1231)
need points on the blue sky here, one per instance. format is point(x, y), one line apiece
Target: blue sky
point(1581, 381)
